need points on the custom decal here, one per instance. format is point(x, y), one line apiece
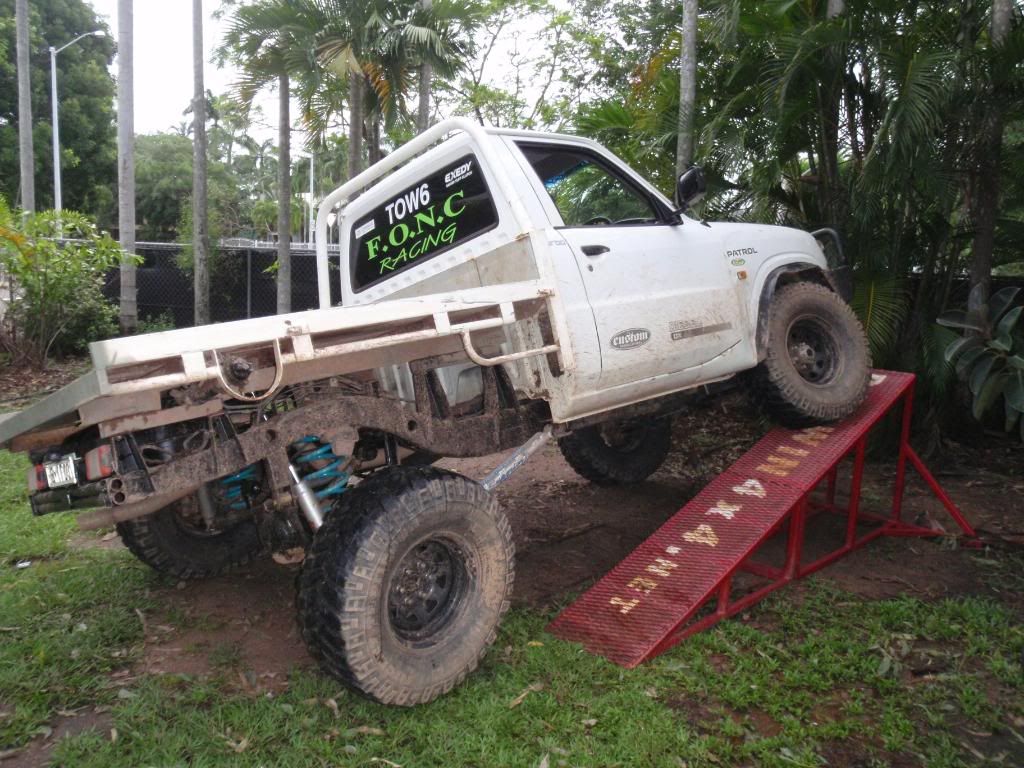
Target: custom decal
point(630, 339)
point(687, 329)
point(438, 213)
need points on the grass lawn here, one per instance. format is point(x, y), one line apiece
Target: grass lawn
point(814, 676)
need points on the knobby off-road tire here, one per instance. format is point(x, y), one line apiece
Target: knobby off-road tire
point(818, 365)
point(618, 452)
point(168, 543)
point(405, 583)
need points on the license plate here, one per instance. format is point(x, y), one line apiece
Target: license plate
point(61, 473)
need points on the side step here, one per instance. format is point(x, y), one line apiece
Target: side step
point(651, 600)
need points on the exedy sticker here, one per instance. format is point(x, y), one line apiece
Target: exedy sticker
point(436, 214)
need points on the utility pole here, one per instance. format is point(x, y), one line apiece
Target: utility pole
point(26, 157)
point(126, 162)
point(200, 235)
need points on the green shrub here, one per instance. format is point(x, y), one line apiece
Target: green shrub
point(55, 298)
point(990, 357)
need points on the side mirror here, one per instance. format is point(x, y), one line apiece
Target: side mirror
point(690, 188)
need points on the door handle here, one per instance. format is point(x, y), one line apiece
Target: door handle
point(595, 250)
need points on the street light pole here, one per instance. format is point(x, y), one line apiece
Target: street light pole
point(57, 202)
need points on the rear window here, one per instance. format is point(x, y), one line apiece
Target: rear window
point(433, 216)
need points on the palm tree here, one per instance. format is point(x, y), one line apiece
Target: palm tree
point(426, 74)
point(200, 233)
point(26, 157)
point(687, 86)
point(126, 163)
point(261, 40)
point(986, 196)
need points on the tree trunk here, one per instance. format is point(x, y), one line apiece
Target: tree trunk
point(355, 126)
point(830, 94)
point(423, 111)
point(26, 158)
point(374, 150)
point(126, 163)
point(284, 200)
point(200, 233)
point(687, 86)
point(985, 205)
point(426, 75)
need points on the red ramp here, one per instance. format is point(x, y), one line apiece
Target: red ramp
point(651, 600)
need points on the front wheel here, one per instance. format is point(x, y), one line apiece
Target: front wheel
point(405, 583)
point(618, 452)
point(817, 366)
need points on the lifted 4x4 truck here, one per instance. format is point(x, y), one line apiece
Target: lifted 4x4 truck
point(498, 289)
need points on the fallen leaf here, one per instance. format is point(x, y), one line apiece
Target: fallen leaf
point(590, 723)
point(535, 644)
point(332, 705)
point(531, 688)
point(113, 735)
point(544, 762)
point(350, 749)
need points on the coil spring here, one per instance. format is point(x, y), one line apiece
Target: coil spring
point(234, 486)
point(327, 480)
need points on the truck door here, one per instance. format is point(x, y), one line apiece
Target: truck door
point(663, 297)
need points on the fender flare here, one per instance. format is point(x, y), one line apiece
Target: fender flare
point(794, 272)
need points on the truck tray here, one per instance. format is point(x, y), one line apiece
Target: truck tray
point(130, 373)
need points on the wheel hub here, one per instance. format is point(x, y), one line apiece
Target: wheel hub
point(425, 589)
point(813, 351)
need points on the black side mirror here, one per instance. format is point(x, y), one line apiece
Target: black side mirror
point(691, 187)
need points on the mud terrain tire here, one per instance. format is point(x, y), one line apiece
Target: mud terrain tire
point(618, 453)
point(818, 366)
point(405, 583)
point(168, 544)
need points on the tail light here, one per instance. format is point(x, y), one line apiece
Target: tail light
point(99, 462)
point(36, 478)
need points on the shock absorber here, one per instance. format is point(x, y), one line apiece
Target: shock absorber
point(316, 463)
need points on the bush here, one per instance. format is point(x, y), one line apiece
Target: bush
point(54, 287)
point(990, 357)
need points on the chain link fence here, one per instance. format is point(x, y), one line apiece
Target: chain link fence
point(243, 283)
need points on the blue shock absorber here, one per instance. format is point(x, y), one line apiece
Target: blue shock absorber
point(234, 486)
point(318, 465)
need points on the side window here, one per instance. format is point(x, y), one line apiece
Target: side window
point(586, 191)
point(432, 216)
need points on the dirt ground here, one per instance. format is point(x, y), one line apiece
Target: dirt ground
point(569, 533)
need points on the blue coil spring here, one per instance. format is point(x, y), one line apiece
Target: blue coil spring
point(234, 486)
point(328, 480)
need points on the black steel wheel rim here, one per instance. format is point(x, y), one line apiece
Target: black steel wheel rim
point(813, 350)
point(427, 588)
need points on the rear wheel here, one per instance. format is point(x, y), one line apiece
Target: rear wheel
point(817, 366)
point(175, 542)
point(618, 452)
point(405, 583)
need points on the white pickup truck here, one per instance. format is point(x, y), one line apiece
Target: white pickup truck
point(499, 288)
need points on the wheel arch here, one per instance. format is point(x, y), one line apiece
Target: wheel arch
point(786, 274)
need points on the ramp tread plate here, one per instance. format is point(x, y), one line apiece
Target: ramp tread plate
point(641, 601)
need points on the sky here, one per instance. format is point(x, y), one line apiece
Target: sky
point(163, 60)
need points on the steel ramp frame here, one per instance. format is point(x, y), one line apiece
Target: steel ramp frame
point(664, 590)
